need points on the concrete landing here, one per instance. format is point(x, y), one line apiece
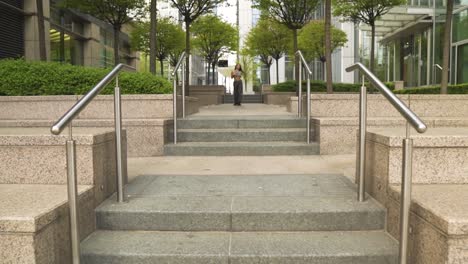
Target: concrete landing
point(243, 110)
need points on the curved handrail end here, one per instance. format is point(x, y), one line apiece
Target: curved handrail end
point(421, 128)
point(55, 130)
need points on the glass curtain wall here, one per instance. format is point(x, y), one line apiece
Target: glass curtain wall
point(66, 37)
point(460, 47)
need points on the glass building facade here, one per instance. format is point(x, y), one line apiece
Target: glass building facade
point(414, 53)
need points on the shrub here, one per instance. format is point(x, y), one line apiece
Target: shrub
point(320, 86)
point(452, 89)
point(19, 77)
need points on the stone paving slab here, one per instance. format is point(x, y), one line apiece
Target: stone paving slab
point(240, 185)
point(241, 203)
point(119, 247)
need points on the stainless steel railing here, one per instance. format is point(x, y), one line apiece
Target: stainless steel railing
point(303, 63)
point(413, 120)
point(180, 63)
point(66, 121)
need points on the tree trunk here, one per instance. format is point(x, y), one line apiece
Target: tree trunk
point(208, 70)
point(277, 71)
point(447, 46)
point(161, 63)
point(187, 57)
point(328, 50)
point(372, 51)
point(153, 37)
point(213, 79)
point(372, 54)
point(117, 44)
point(268, 73)
point(296, 62)
point(41, 30)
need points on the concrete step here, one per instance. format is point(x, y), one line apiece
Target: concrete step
point(241, 148)
point(125, 247)
point(247, 98)
point(241, 203)
point(241, 122)
point(237, 135)
point(182, 213)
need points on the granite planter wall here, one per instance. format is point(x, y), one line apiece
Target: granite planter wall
point(29, 156)
point(145, 117)
point(335, 116)
point(439, 219)
point(277, 98)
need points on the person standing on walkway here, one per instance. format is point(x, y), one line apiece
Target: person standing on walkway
point(238, 89)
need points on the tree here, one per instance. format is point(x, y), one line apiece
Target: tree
point(152, 39)
point(312, 40)
point(367, 12)
point(328, 45)
point(213, 38)
point(248, 67)
point(115, 12)
point(170, 39)
point(41, 30)
point(294, 14)
point(190, 10)
point(447, 44)
point(268, 39)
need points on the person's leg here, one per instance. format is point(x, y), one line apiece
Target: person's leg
point(241, 92)
point(236, 93)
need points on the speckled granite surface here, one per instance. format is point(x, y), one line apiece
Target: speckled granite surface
point(34, 222)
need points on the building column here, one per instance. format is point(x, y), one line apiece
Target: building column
point(31, 35)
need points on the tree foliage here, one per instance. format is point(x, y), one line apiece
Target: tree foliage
point(268, 39)
point(294, 14)
point(170, 39)
point(115, 12)
point(213, 38)
point(190, 10)
point(312, 40)
point(367, 12)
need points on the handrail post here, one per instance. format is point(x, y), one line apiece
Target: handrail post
point(362, 141)
point(118, 140)
point(299, 97)
point(405, 199)
point(73, 199)
point(308, 108)
point(174, 105)
point(183, 89)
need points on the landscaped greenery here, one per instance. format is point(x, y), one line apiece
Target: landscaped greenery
point(319, 86)
point(19, 77)
point(452, 89)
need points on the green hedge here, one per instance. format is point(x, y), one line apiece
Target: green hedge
point(319, 86)
point(452, 89)
point(19, 77)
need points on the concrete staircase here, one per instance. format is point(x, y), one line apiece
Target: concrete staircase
point(248, 135)
point(246, 99)
point(240, 219)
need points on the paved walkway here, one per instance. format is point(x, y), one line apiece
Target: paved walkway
point(242, 165)
point(243, 110)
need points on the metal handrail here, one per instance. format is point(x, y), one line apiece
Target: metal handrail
point(60, 125)
point(303, 63)
point(409, 115)
point(180, 62)
point(411, 119)
point(66, 120)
